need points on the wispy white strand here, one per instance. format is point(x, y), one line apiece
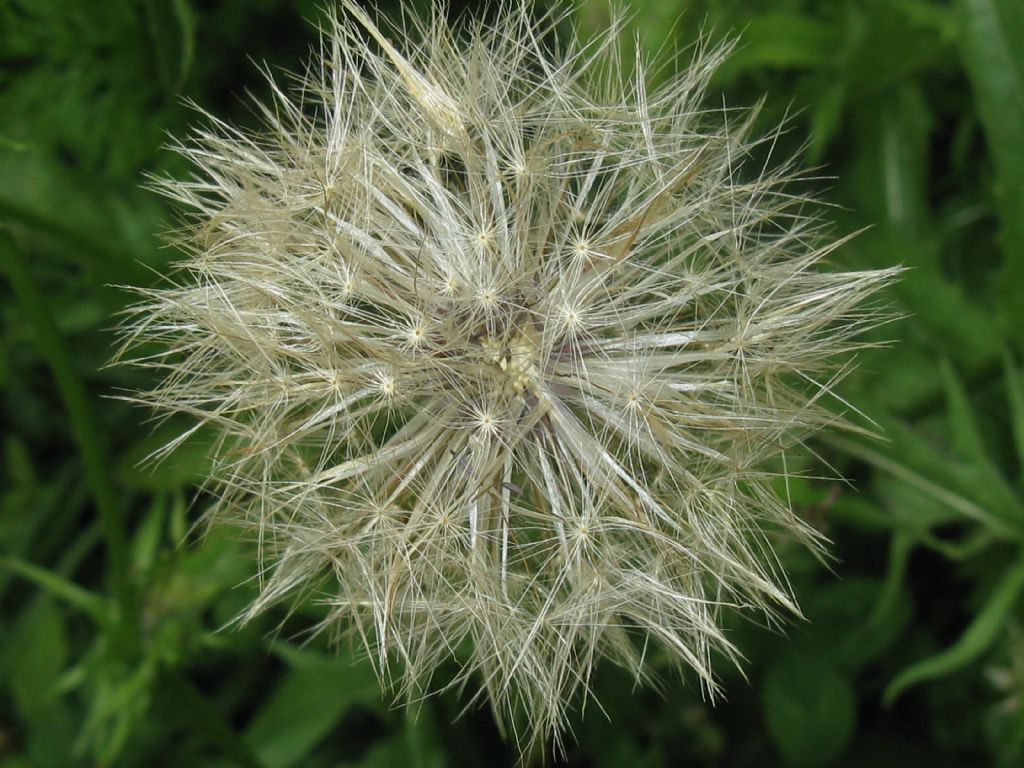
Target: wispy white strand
point(497, 339)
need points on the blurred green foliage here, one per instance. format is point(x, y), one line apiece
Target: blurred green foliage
point(117, 645)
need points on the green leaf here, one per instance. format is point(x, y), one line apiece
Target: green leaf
point(144, 464)
point(415, 745)
point(992, 48)
point(975, 472)
point(928, 14)
point(903, 123)
point(166, 22)
point(186, 20)
point(208, 721)
point(893, 597)
point(963, 328)
point(36, 658)
point(826, 117)
point(784, 39)
point(924, 470)
point(861, 514)
point(19, 463)
point(809, 708)
point(967, 442)
point(311, 699)
point(1015, 395)
point(423, 738)
point(980, 634)
point(888, 49)
point(149, 535)
point(56, 585)
point(39, 312)
point(853, 621)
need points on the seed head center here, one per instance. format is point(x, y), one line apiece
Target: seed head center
point(517, 360)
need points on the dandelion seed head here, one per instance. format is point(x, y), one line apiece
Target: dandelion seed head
point(506, 338)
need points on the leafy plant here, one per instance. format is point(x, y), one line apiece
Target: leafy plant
point(913, 112)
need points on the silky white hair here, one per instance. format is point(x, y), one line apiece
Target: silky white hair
point(498, 340)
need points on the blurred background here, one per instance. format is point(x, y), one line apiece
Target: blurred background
point(116, 643)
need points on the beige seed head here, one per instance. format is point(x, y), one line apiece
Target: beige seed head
point(533, 330)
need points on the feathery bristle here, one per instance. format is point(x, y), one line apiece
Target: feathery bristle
point(500, 340)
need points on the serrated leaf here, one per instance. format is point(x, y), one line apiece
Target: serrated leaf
point(978, 637)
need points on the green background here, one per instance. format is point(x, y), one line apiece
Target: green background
point(116, 642)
